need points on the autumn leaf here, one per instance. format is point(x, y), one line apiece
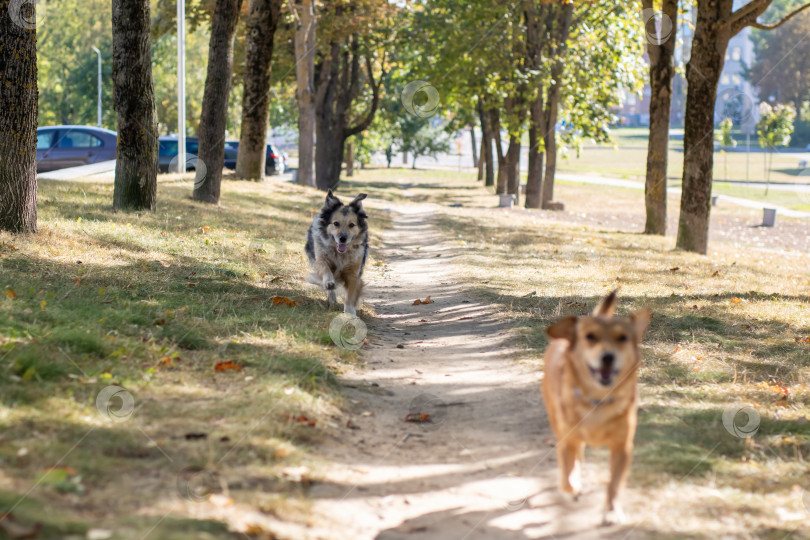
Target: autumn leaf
point(675, 269)
point(303, 420)
point(736, 300)
point(10, 294)
point(276, 279)
point(225, 366)
point(427, 300)
point(278, 300)
point(417, 417)
point(801, 339)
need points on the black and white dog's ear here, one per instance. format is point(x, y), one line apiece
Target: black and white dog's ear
point(357, 200)
point(331, 200)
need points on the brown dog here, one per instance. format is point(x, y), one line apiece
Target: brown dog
point(589, 388)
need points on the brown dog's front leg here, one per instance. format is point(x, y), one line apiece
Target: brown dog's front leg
point(569, 455)
point(620, 458)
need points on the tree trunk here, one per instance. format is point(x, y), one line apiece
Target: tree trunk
point(18, 121)
point(305, 49)
point(338, 78)
point(661, 52)
point(486, 148)
point(702, 74)
point(261, 27)
point(537, 127)
point(550, 141)
point(349, 159)
point(211, 155)
point(474, 146)
point(134, 97)
point(495, 133)
point(562, 29)
point(514, 109)
point(513, 167)
point(481, 159)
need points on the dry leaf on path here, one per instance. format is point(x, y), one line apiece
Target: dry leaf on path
point(418, 418)
point(427, 300)
point(225, 366)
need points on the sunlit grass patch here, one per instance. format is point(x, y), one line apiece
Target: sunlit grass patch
point(151, 303)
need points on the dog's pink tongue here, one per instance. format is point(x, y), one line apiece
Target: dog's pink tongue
point(342, 248)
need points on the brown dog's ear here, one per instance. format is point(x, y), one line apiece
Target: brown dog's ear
point(563, 329)
point(356, 200)
point(607, 306)
point(641, 320)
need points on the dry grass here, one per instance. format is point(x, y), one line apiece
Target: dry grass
point(724, 333)
point(152, 302)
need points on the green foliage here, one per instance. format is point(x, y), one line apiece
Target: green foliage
point(67, 66)
point(724, 135)
point(775, 125)
point(420, 137)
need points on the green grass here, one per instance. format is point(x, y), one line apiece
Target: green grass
point(627, 159)
point(151, 303)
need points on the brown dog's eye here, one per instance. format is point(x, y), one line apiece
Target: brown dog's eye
point(351, 225)
point(336, 224)
point(590, 336)
point(622, 338)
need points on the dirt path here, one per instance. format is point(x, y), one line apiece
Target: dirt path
point(483, 467)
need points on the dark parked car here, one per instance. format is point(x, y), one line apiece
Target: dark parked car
point(275, 161)
point(60, 147)
point(167, 154)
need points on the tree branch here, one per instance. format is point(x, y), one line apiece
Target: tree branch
point(375, 100)
point(780, 22)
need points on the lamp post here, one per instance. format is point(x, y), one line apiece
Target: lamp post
point(98, 52)
point(181, 86)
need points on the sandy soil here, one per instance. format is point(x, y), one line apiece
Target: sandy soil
point(483, 467)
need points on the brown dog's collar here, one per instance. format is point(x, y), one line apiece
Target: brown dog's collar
point(594, 402)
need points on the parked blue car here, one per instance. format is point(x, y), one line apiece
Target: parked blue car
point(60, 147)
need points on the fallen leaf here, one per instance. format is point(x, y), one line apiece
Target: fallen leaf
point(736, 300)
point(716, 273)
point(225, 366)
point(427, 300)
point(422, 320)
point(11, 294)
point(276, 279)
point(801, 339)
point(278, 300)
point(675, 269)
point(303, 420)
point(190, 284)
point(417, 417)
